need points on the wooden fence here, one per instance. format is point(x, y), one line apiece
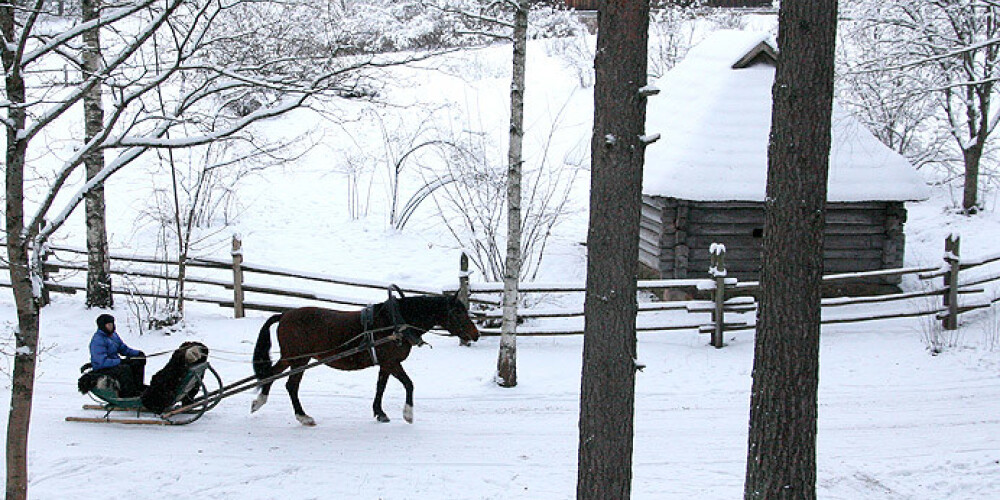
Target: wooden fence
point(728, 296)
point(233, 277)
point(719, 296)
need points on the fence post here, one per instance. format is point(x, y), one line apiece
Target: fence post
point(46, 297)
point(463, 280)
point(44, 253)
point(237, 254)
point(718, 271)
point(951, 259)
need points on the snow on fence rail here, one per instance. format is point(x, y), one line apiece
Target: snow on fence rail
point(728, 295)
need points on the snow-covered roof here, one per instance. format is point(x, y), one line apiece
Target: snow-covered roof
point(715, 121)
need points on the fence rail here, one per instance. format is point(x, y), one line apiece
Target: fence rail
point(727, 296)
point(730, 296)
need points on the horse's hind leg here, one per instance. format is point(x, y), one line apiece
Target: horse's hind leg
point(400, 374)
point(265, 389)
point(293, 391)
point(383, 379)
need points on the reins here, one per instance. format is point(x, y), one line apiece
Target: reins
point(235, 388)
point(362, 334)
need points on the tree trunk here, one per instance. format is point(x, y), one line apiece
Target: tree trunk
point(98, 263)
point(26, 336)
point(971, 157)
point(607, 393)
point(781, 460)
point(507, 359)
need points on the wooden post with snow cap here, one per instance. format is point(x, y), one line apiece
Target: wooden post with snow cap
point(951, 259)
point(718, 271)
point(237, 254)
point(463, 280)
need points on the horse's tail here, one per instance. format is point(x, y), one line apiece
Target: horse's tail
point(262, 351)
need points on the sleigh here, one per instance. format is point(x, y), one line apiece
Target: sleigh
point(192, 399)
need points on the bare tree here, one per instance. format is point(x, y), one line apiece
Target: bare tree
point(131, 127)
point(894, 105)
point(781, 461)
point(607, 393)
point(949, 50)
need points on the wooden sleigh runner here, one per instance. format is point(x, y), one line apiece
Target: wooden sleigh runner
point(189, 395)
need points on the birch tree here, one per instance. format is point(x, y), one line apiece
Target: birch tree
point(507, 358)
point(781, 460)
point(188, 30)
point(493, 16)
point(607, 392)
point(98, 264)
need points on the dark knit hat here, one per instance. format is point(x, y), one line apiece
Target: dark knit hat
point(104, 319)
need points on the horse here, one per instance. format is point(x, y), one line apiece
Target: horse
point(314, 332)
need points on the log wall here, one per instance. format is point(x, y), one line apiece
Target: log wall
point(676, 234)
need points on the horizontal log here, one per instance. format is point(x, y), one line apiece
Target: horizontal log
point(653, 202)
point(495, 287)
point(755, 216)
point(142, 274)
point(831, 242)
point(721, 230)
point(872, 256)
point(862, 319)
point(651, 214)
point(193, 262)
point(649, 249)
point(652, 228)
point(710, 328)
point(542, 332)
point(643, 307)
point(324, 278)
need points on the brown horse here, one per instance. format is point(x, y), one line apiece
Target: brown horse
point(314, 332)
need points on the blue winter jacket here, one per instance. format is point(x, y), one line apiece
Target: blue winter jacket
point(105, 349)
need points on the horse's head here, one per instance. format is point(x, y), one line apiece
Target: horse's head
point(427, 312)
point(457, 322)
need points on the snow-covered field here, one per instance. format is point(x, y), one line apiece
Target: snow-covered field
point(895, 422)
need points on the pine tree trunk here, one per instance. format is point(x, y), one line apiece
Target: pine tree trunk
point(26, 336)
point(98, 263)
point(507, 359)
point(781, 460)
point(607, 399)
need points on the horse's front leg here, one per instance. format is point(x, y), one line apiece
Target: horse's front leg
point(383, 379)
point(400, 374)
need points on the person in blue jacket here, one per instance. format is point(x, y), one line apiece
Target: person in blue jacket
point(106, 349)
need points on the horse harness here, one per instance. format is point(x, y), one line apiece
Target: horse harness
point(400, 329)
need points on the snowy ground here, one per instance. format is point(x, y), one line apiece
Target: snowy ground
point(895, 422)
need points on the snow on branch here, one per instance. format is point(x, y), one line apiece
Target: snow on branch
point(75, 96)
point(108, 16)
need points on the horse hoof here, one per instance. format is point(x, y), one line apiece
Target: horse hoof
point(257, 403)
point(306, 420)
point(382, 418)
point(408, 414)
